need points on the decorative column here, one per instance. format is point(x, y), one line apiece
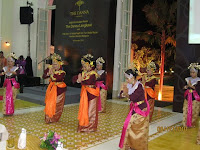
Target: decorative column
point(116, 70)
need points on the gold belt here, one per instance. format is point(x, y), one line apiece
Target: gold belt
point(91, 86)
point(140, 102)
point(56, 83)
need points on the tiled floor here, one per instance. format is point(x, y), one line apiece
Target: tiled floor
point(170, 120)
point(109, 128)
point(20, 104)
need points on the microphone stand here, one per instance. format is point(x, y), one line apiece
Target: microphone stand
point(44, 68)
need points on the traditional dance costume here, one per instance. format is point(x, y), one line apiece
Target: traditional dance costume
point(149, 86)
point(88, 108)
point(55, 94)
point(150, 95)
point(10, 87)
point(136, 126)
point(191, 106)
point(101, 83)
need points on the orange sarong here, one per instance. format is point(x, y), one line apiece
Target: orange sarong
point(50, 98)
point(83, 107)
point(150, 92)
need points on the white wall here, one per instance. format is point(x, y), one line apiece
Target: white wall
point(0, 20)
point(20, 32)
point(6, 25)
point(16, 33)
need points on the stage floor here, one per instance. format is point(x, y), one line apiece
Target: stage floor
point(109, 128)
point(36, 94)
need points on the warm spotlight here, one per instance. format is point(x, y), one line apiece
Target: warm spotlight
point(159, 96)
point(7, 43)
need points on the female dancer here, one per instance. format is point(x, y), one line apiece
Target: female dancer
point(149, 82)
point(136, 127)
point(88, 112)
point(55, 94)
point(101, 83)
point(10, 85)
point(191, 106)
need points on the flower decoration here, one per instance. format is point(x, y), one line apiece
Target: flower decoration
point(100, 60)
point(88, 58)
point(152, 66)
point(194, 66)
point(12, 55)
point(56, 57)
point(50, 140)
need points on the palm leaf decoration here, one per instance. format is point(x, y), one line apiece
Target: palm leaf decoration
point(161, 15)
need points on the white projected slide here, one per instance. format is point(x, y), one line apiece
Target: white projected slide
point(194, 22)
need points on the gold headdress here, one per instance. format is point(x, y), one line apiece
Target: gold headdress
point(56, 57)
point(194, 66)
point(152, 66)
point(100, 61)
point(12, 56)
point(87, 59)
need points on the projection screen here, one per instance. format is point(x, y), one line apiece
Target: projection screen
point(194, 22)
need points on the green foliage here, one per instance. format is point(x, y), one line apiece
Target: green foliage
point(50, 135)
point(46, 144)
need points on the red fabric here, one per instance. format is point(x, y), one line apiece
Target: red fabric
point(137, 96)
point(45, 74)
point(151, 83)
point(90, 81)
point(74, 79)
point(59, 78)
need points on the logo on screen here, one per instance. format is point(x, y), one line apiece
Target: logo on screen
point(79, 3)
point(80, 12)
